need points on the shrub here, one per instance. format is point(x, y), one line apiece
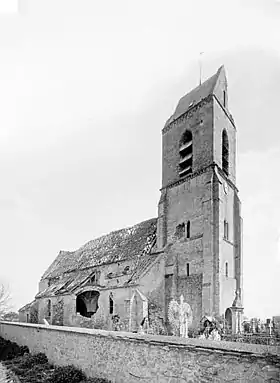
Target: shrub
point(96, 380)
point(28, 360)
point(10, 350)
point(66, 374)
point(24, 350)
point(192, 332)
point(36, 369)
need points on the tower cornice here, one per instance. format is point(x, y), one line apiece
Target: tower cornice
point(189, 113)
point(197, 173)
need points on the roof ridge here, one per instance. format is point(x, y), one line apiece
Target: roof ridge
point(195, 95)
point(114, 232)
point(116, 246)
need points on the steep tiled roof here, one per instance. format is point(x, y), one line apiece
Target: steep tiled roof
point(116, 246)
point(144, 262)
point(66, 283)
point(195, 96)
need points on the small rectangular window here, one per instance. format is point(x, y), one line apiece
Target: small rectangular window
point(226, 230)
point(188, 269)
point(226, 269)
point(224, 98)
point(49, 308)
point(111, 305)
point(188, 229)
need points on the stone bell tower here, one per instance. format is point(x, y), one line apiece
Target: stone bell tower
point(199, 222)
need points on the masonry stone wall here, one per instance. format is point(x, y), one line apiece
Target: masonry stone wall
point(221, 122)
point(64, 310)
point(126, 357)
point(199, 121)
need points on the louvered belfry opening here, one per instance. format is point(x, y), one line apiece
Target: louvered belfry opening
point(186, 154)
point(225, 152)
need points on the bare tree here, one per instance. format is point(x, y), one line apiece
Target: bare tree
point(4, 301)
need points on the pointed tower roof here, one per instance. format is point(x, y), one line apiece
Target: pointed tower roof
point(197, 94)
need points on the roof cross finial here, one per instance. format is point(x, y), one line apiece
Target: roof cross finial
point(200, 67)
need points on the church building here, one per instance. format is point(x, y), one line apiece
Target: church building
point(193, 248)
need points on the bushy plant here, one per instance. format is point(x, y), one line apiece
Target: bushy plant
point(192, 332)
point(24, 350)
point(96, 380)
point(9, 350)
point(99, 323)
point(36, 369)
point(34, 314)
point(29, 360)
point(66, 374)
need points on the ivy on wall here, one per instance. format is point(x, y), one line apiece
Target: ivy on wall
point(156, 316)
point(34, 314)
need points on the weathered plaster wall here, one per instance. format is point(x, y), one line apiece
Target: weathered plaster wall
point(126, 357)
point(152, 285)
point(66, 303)
point(221, 122)
point(63, 308)
point(186, 202)
point(199, 121)
point(23, 316)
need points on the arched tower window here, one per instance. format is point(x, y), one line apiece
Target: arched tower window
point(186, 154)
point(225, 152)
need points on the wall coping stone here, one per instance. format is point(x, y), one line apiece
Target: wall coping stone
point(226, 347)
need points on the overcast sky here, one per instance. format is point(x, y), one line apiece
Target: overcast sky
point(85, 89)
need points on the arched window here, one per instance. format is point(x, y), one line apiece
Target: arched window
point(226, 269)
point(225, 152)
point(186, 154)
point(188, 229)
point(188, 269)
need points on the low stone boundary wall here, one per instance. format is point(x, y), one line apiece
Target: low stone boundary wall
point(128, 357)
